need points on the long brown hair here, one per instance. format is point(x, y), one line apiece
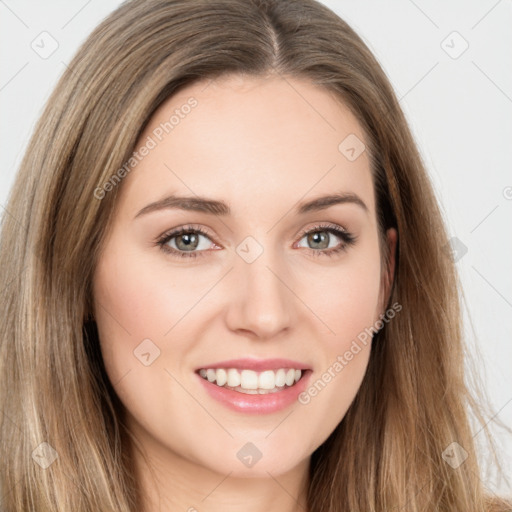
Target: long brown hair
point(57, 403)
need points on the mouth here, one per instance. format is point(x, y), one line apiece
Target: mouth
point(252, 382)
point(255, 385)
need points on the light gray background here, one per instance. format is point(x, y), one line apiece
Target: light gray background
point(459, 104)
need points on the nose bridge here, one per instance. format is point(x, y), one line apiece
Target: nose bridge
point(262, 302)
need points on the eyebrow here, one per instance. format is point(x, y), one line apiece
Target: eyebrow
point(220, 208)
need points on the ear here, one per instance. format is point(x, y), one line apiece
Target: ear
point(389, 272)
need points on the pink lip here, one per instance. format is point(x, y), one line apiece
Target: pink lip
point(258, 365)
point(257, 404)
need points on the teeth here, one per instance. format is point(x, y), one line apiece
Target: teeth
point(267, 380)
point(290, 377)
point(249, 379)
point(251, 382)
point(234, 379)
point(280, 378)
point(222, 377)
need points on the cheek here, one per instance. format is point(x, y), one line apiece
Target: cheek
point(129, 308)
point(137, 297)
point(136, 305)
point(144, 305)
point(348, 301)
point(348, 305)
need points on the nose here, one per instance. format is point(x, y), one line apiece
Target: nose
point(261, 302)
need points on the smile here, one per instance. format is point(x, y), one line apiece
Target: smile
point(250, 381)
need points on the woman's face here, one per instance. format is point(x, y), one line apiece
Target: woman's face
point(266, 288)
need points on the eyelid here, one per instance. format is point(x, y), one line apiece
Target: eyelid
point(321, 225)
point(182, 229)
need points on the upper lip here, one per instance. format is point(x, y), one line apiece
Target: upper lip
point(257, 364)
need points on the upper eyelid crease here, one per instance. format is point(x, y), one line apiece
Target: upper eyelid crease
point(222, 209)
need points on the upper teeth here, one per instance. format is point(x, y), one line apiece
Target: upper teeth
point(249, 379)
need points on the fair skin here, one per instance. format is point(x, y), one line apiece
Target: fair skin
point(261, 147)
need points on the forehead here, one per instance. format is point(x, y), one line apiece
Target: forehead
point(251, 141)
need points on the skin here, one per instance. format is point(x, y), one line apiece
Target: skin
point(261, 145)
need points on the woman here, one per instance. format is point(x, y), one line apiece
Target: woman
point(173, 337)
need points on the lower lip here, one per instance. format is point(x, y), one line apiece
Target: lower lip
point(257, 404)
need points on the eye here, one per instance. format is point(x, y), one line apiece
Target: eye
point(184, 242)
point(321, 237)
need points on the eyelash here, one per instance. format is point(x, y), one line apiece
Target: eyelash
point(347, 240)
